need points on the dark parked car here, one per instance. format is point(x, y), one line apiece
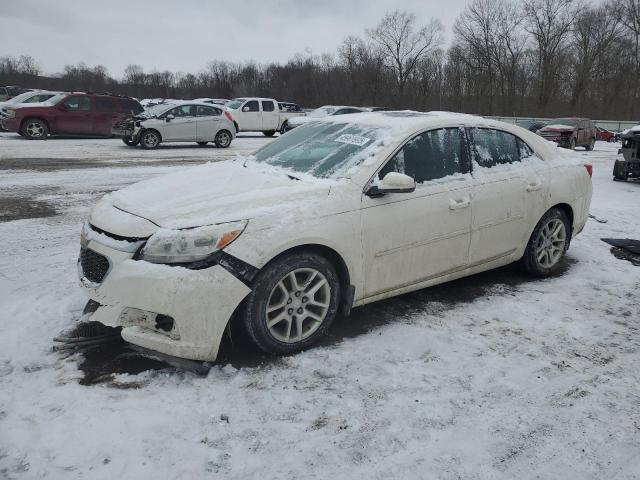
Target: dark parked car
point(75, 114)
point(11, 91)
point(570, 132)
point(531, 125)
point(629, 165)
point(605, 135)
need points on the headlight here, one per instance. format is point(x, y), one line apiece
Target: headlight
point(190, 245)
point(10, 112)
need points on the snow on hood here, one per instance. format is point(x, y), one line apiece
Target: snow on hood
point(632, 130)
point(558, 127)
point(219, 192)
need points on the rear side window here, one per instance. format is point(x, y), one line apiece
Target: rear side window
point(268, 106)
point(343, 111)
point(105, 104)
point(252, 106)
point(208, 111)
point(81, 104)
point(494, 147)
point(430, 156)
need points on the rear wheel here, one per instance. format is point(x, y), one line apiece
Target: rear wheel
point(269, 133)
point(572, 144)
point(591, 145)
point(35, 129)
point(548, 243)
point(150, 139)
point(293, 303)
point(283, 128)
point(223, 139)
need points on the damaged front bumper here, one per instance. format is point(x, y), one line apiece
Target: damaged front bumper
point(172, 310)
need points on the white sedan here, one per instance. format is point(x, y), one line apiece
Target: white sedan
point(178, 121)
point(333, 215)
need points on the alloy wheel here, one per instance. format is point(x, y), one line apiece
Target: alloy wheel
point(223, 139)
point(150, 139)
point(35, 129)
point(551, 243)
point(298, 305)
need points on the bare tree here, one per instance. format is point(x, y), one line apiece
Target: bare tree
point(549, 22)
point(403, 45)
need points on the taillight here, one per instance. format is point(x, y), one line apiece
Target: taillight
point(228, 115)
point(589, 168)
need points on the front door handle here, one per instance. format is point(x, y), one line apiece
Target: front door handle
point(459, 204)
point(533, 187)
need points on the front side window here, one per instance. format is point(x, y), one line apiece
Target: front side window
point(183, 111)
point(267, 106)
point(430, 156)
point(344, 111)
point(251, 106)
point(82, 104)
point(494, 147)
point(208, 111)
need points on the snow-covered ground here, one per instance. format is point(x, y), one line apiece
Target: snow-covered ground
point(496, 376)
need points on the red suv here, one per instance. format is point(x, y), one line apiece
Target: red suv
point(75, 114)
point(570, 132)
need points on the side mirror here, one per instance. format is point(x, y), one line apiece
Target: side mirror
point(169, 117)
point(393, 182)
point(245, 109)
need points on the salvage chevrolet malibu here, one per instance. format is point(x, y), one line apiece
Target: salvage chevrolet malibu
point(333, 215)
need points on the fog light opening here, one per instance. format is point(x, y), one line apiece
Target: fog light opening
point(164, 323)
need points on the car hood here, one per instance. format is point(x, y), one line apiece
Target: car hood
point(224, 192)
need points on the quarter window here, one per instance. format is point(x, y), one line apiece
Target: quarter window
point(430, 156)
point(494, 147)
point(524, 149)
point(78, 104)
point(267, 106)
point(252, 106)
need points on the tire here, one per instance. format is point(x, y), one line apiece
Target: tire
point(223, 139)
point(34, 129)
point(276, 299)
point(572, 144)
point(548, 243)
point(202, 144)
point(283, 128)
point(269, 133)
point(129, 142)
point(619, 172)
point(591, 146)
point(150, 139)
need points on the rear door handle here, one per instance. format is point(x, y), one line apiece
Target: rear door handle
point(459, 204)
point(532, 187)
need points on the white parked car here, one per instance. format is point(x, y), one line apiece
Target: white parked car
point(261, 115)
point(215, 101)
point(333, 215)
point(185, 121)
point(27, 99)
point(322, 112)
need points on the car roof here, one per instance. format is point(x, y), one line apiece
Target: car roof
point(408, 119)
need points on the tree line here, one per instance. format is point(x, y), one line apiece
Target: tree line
point(507, 57)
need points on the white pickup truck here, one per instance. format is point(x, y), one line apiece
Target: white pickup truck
point(261, 115)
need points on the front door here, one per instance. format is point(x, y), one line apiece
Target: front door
point(207, 122)
point(249, 117)
point(182, 127)
point(501, 183)
point(76, 117)
point(411, 238)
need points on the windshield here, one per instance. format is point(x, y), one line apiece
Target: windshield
point(235, 103)
point(55, 99)
point(156, 110)
point(321, 112)
point(23, 96)
point(571, 122)
point(324, 150)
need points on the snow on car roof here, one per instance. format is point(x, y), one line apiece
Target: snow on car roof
point(406, 119)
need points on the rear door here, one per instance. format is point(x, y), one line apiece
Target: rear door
point(182, 127)
point(75, 116)
point(207, 121)
point(270, 115)
point(505, 194)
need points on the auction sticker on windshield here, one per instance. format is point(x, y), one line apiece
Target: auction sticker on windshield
point(353, 139)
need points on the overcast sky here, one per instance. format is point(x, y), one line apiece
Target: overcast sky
point(184, 35)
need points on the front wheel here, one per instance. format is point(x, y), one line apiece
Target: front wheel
point(548, 243)
point(150, 139)
point(223, 139)
point(35, 129)
point(129, 141)
point(294, 301)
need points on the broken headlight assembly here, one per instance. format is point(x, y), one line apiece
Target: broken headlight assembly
point(189, 245)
